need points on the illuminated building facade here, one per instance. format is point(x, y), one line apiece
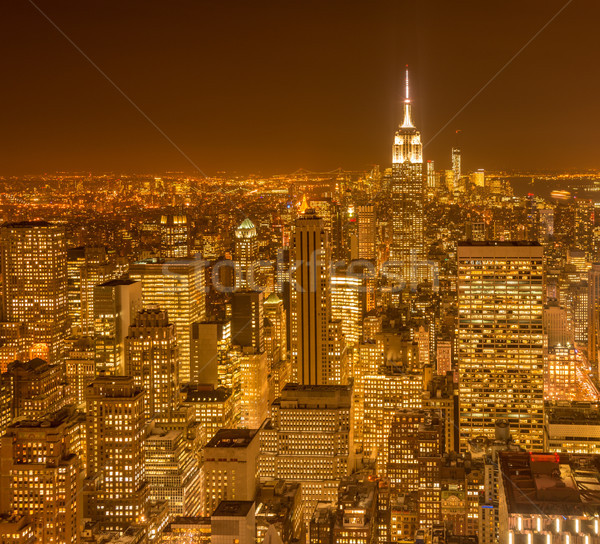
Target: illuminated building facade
point(309, 440)
point(246, 256)
point(392, 389)
point(116, 303)
point(172, 472)
point(594, 318)
point(174, 236)
point(367, 232)
point(33, 258)
point(310, 299)
point(230, 467)
point(116, 429)
point(572, 427)
point(41, 477)
point(80, 368)
point(151, 358)
point(347, 292)
point(36, 388)
point(213, 407)
point(500, 340)
point(407, 249)
point(177, 286)
point(561, 373)
point(456, 167)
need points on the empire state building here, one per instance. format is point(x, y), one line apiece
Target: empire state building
point(407, 249)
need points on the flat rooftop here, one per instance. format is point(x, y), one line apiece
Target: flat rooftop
point(551, 483)
point(233, 508)
point(232, 438)
point(117, 282)
point(497, 243)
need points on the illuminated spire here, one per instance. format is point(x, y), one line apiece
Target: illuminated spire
point(407, 123)
point(303, 205)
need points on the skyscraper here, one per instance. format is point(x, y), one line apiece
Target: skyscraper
point(177, 286)
point(407, 249)
point(174, 236)
point(367, 232)
point(500, 340)
point(456, 166)
point(246, 255)
point(116, 303)
point(34, 264)
point(40, 476)
point(310, 299)
point(116, 428)
point(247, 327)
point(151, 358)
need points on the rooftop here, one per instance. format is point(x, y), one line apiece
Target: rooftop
point(496, 243)
point(234, 508)
point(551, 483)
point(232, 438)
point(27, 224)
point(117, 282)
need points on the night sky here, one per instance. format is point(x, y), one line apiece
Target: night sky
point(271, 87)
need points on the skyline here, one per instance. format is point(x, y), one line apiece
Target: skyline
point(347, 80)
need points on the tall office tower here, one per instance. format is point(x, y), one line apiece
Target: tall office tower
point(116, 303)
point(213, 407)
point(254, 388)
point(416, 445)
point(40, 477)
point(309, 440)
point(116, 431)
point(386, 392)
point(441, 395)
point(37, 388)
point(174, 236)
point(478, 178)
point(34, 263)
point(246, 255)
point(500, 340)
point(594, 319)
point(86, 266)
point(151, 358)
point(556, 327)
point(576, 302)
point(370, 358)
point(210, 341)
point(456, 167)
point(407, 249)
point(177, 286)
point(310, 299)
point(337, 354)
point(561, 377)
point(431, 178)
point(172, 471)
point(80, 366)
point(367, 232)
point(546, 224)
point(584, 227)
point(347, 304)
point(247, 320)
point(230, 467)
point(274, 311)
